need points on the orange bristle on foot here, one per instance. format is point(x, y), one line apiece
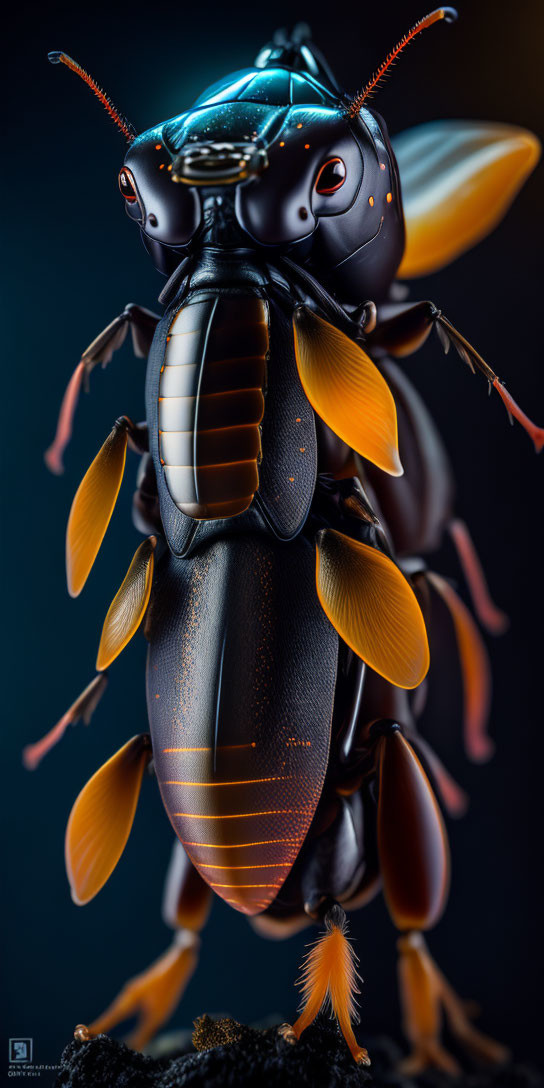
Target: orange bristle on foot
point(329, 977)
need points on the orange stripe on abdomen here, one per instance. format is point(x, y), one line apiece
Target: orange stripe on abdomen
point(233, 828)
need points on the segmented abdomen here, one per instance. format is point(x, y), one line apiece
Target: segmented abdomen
point(211, 404)
point(240, 814)
point(240, 688)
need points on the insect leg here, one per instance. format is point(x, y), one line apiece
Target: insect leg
point(153, 995)
point(334, 866)
point(330, 975)
point(83, 708)
point(488, 614)
point(475, 671)
point(145, 501)
point(414, 862)
point(142, 324)
point(421, 1011)
point(425, 994)
point(404, 329)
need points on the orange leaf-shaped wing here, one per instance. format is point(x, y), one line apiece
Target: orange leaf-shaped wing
point(93, 505)
point(101, 819)
point(347, 390)
point(128, 607)
point(372, 607)
point(458, 180)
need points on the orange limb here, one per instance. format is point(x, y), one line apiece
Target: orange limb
point(453, 797)
point(63, 434)
point(535, 433)
point(475, 671)
point(151, 996)
point(84, 707)
point(330, 975)
point(450, 335)
point(425, 994)
point(491, 617)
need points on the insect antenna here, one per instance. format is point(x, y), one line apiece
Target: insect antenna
point(129, 132)
point(357, 102)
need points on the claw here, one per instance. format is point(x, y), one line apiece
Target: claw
point(285, 1031)
point(429, 1054)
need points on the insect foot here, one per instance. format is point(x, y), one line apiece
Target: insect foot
point(287, 1034)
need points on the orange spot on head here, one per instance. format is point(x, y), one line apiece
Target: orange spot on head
point(299, 124)
point(382, 166)
point(389, 197)
point(282, 143)
point(158, 147)
point(371, 201)
point(170, 167)
point(303, 449)
point(161, 167)
point(291, 479)
point(306, 147)
point(157, 696)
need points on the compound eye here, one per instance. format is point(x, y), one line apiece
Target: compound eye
point(126, 185)
point(331, 177)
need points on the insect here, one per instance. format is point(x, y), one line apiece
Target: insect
point(289, 475)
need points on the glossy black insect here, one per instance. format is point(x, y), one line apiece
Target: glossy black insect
point(286, 618)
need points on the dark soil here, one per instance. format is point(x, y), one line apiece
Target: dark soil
point(260, 1059)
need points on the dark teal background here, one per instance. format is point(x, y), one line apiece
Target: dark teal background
point(71, 260)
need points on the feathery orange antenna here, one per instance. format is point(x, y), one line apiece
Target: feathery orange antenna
point(356, 104)
point(126, 128)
